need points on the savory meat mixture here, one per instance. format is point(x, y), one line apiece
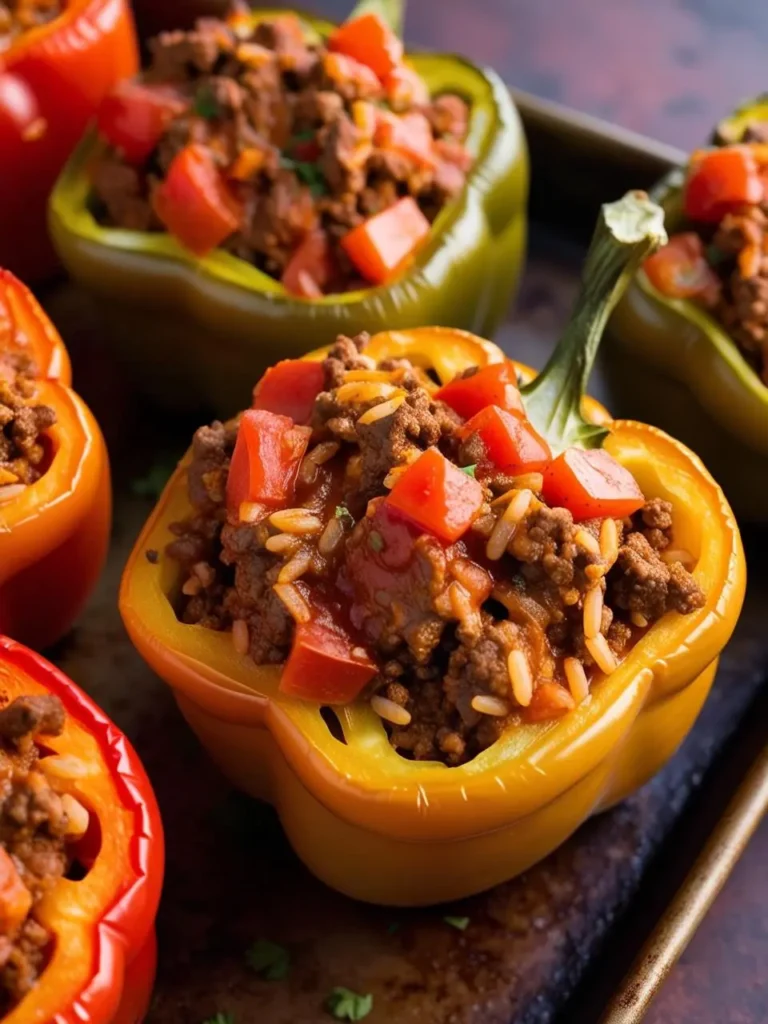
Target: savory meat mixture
point(380, 549)
point(18, 16)
point(321, 163)
point(37, 828)
point(722, 262)
point(23, 422)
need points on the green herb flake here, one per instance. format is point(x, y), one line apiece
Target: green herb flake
point(459, 923)
point(342, 512)
point(151, 485)
point(469, 470)
point(344, 1004)
point(205, 104)
point(715, 255)
point(269, 960)
point(220, 1018)
point(306, 136)
point(309, 174)
point(375, 541)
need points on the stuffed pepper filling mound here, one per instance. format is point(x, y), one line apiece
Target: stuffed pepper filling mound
point(421, 546)
point(18, 16)
point(39, 823)
point(23, 423)
point(321, 163)
point(721, 261)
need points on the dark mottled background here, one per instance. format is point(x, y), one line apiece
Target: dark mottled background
point(669, 69)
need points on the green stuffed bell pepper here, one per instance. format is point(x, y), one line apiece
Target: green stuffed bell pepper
point(688, 346)
point(328, 185)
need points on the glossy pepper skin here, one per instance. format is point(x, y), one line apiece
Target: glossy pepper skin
point(51, 82)
point(54, 535)
point(190, 325)
point(388, 830)
point(103, 963)
point(671, 362)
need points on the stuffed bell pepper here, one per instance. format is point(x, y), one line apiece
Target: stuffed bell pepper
point(273, 178)
point(436, 609)
point(81, 855)
point(55, 500)
point(58, 59)
point(691, 333)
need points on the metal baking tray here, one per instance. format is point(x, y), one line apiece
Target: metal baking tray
point(556, 944)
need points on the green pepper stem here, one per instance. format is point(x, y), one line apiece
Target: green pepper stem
point(390, 11)
point(627, 231)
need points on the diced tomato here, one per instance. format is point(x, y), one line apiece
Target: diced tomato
point(369, 40)
point(511, 442)
point(720, 181)
point(289, 388)
point(549, 700)
point(407, 134)
point(380, 245)
point(405, 87)
point(342, 69)
point(309, 269)
point(437, 496)
point(266, 459)
point(325, 665)
point(591, 484)
point(195, 203)
point(133, 117)
point(680, 270)
point(491, 385)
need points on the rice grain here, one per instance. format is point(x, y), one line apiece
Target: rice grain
point(378, 412)
point(296, 520)
point(389, 711)
point(602, 653)
point(576, 678)
point(507, 524)
point(593, 612)
point(486, 705)
point(520, 677)
point(241, 639)
point(293, 601)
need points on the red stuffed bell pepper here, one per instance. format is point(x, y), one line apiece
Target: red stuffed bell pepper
point(53, 74)
point(55, 501)
point(78, 923)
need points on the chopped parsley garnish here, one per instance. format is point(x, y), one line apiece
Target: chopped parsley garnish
point(347, 1005)
point(375, 541)
point(308, 173)
point(460, 923)
point(306, 136)
point(342, 512)
point(205, 104)
point(220, 1018)
point(715, 255)
point(469, 470)
point(269, 960)
point(152, 483)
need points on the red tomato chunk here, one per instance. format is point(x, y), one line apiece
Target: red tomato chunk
point(437, 496)
point(721, 181)
point(133, 117)
point(369, 40)
point(290, 388)
point(266, 459)
point(591, 484)
point(325, 665)
point(492, 385)
point(511, 443)
point(380, 245)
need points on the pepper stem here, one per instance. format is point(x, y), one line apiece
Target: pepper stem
point(392, 12)
point(627, 231)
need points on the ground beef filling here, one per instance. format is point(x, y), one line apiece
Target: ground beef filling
point(23, 422)
point(19, 16)
point(35, 834)
point(442, 622)
point(302, 129)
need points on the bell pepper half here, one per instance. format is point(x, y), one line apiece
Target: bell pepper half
point(51, 82)
point(102, 967)
point(53, 534)
point(190, 324)
point(389, 830)
point(672, 362)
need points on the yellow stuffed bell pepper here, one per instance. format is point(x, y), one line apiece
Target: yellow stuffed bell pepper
point(389, 829)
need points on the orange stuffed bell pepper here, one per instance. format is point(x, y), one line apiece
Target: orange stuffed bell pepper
point(57, 61)
point(77, 917)
point(55, 500)
point(445, 622)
